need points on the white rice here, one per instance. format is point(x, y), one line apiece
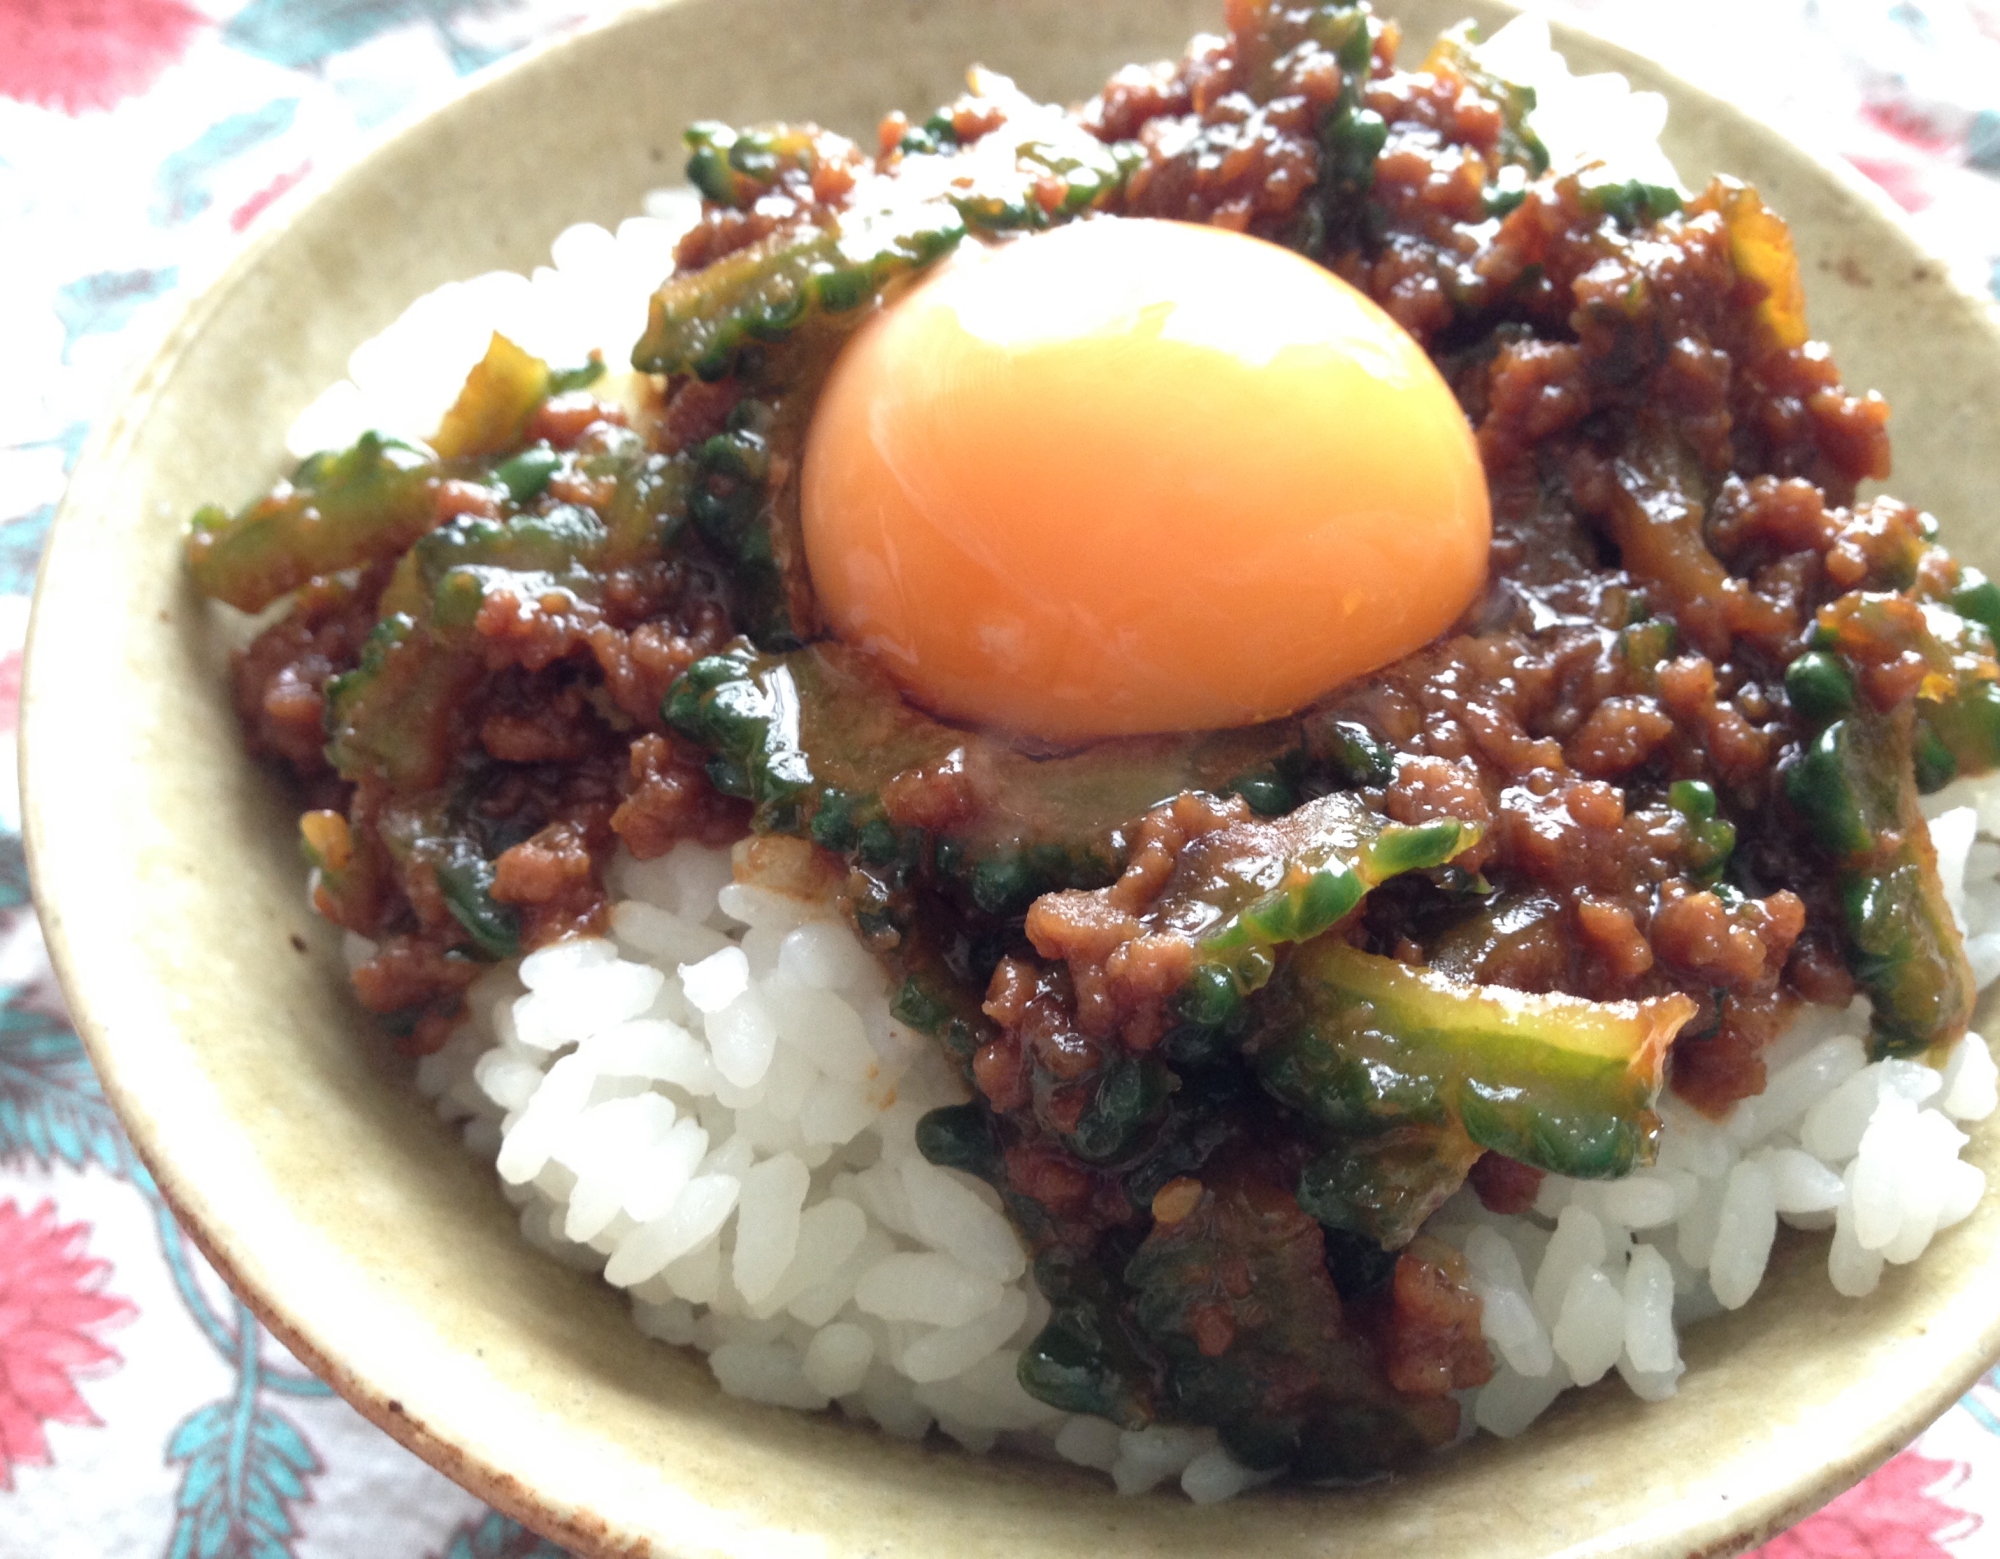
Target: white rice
point(1582, 120)
point(591, 297)
point(714, 1110)
point(1603, 1275)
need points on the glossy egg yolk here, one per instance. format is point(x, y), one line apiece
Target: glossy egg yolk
point(1133, 476)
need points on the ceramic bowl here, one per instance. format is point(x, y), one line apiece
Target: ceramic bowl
point(290, 1141)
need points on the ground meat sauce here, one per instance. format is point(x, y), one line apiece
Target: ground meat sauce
point(1669, 759)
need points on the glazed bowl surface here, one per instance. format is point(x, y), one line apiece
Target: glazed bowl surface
point(288, 1135)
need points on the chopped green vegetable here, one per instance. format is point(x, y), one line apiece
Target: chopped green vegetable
point(1236, 1296)
point(813, 738)
point(960, 1136)
point(1646, 646)
point(1977, 598)
point(526, 474)
point(703, 323)
point(1247, 890)
point(1269, 791)
point(1656, 517)
point(1958, 694)
point(1352, 134)
point(1935, 764)
point(1855, 787)
point(1088, 1358)
point(339, 511)
point(700, 323)
point(1128, 1097)
point(1365, 1044)
point(347, 883)
point(465, 879)
point(500, 395)
point(1819, 686)
point(1907, 955)
point(649, 507)
point(1760, 244)
point(933, 1001)
point(1958, 735)
point(564, 380)
point(446, 574)
point(734, 168)
point(370, 503)
point(731, 504)
point(1711, 839)
point(1383, 1187)
point(1958, 703)
point(1693, 799)
point(1520, 147)
point(389, 718)
point(440, 829)
point(1351, 751)
point(1633, 203)
point(937, 133)
point(1092, 172)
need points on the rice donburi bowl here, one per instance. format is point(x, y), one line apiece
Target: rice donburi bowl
point(657, 890)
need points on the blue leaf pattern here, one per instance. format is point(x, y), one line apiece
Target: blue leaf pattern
point(246, 1466)
point(52, 1109)
point(303, 34)
point(181, 183)
point(1982, 1402)
point(21, 538)
point(21, 548)
point(104, 302)
point(13, 873)
point(495, 1537)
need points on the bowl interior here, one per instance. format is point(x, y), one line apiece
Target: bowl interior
point(284, 1130)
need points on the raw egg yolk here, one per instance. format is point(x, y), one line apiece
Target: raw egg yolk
point(1131, 476)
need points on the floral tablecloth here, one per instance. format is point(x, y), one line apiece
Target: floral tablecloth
point(142, 1411)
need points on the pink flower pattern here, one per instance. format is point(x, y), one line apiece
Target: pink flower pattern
point(52, 1304)
point(73, 55)
point(1896, 1514)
